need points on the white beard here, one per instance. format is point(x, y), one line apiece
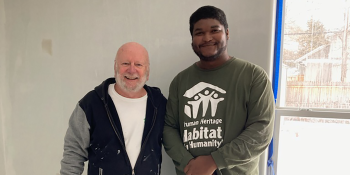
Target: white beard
point(121, 83)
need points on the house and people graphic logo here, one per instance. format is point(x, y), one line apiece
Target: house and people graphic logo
point(200, 131)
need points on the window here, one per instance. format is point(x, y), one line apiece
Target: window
point(313, 102)
point(315, 67)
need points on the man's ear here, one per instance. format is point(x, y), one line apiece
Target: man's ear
point(227, 34)
point(148, 72)
point(115, 66)
point(147, 75)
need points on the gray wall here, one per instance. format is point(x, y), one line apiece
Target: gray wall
point(54, 52)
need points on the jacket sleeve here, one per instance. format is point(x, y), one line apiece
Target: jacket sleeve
point(76, 143)
point(258, 128)
point(172, 141)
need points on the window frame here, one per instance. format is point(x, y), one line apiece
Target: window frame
point(289, 111)
point(339, 114)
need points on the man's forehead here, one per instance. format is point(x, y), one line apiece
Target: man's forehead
point(132, 52)
point(213, 23)
point(128, 59)
point(132, 48)
point(212, 27)
point(138, 58)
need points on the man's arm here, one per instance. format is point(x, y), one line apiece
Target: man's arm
point(171, 135)
point(76, 142)
point(258, 129)
point(204, 165)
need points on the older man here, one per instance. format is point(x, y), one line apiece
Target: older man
point(118, 126)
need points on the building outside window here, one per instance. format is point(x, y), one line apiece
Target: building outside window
point(312, 131)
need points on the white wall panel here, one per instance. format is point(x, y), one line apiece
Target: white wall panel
point(54, 51)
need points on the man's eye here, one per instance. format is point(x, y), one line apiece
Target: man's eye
point(138, 65)
point(198, 33)
point(125, 64)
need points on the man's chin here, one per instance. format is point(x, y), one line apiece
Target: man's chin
point(208, 58)
point(133, 88)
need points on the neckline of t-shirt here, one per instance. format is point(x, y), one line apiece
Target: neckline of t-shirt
point(231, 59)
point(116, 95)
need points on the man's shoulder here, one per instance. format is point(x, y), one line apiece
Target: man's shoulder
point(100, 92)
point(186, 71)
point(249, 66)
point(244, 62)
point(154, 90)
point(89, 98)
point(156, 93)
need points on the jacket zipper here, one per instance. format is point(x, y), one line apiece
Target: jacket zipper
point(100, 172)
point(149, 133)
point(158, 169)
point(115, 131)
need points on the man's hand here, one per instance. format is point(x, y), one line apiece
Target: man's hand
point(201, 165)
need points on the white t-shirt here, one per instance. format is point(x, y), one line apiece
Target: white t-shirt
point(132, 115)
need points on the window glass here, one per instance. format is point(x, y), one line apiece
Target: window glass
point(315, 71)
point(309, 145)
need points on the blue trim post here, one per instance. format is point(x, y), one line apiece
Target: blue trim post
point(277, 50)
point(276, 70)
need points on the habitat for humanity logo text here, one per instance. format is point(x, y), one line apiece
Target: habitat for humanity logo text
point(202, 132)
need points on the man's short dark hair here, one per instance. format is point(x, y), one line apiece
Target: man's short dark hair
point(206, 12)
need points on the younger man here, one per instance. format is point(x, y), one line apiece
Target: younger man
point(220, 110)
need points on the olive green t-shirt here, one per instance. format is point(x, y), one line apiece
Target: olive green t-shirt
point(226, 112)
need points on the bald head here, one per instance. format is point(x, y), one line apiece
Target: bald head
point(132, 49)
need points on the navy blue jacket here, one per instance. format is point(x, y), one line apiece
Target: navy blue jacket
point(106, 151)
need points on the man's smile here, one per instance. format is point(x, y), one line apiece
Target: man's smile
point(131, 77)
point(207, 44)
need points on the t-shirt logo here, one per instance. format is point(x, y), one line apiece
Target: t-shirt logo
point(202, 93)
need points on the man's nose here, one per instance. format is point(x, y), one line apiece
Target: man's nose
point(207, 37)
point(132, 68)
